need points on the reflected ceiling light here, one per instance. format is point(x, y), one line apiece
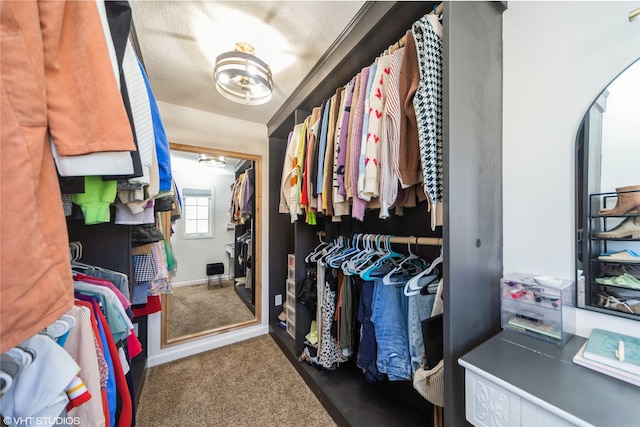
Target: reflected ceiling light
point(214, 161)
point(242, 77)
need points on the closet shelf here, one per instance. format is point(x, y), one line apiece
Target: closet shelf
point(625, 239)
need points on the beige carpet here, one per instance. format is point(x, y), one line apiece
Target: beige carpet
point(197, 308)
point(247, 384)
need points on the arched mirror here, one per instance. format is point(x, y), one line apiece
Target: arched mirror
point(608, 199)
point(215, 238)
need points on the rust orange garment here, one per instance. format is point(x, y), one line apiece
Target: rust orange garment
point(55, 74)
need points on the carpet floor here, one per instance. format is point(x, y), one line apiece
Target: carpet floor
point(197, 308)
point(246, 384)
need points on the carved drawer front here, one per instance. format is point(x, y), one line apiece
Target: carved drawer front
point(534, 416)
point(488, 404)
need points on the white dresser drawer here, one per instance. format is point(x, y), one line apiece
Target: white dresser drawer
point(535, 416)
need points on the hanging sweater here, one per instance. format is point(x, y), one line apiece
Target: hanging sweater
point(389, 172)
point(322, 150)
point(312, 159)
point(428, 107)
point(298, 163)
point(162, 150)
point(347, 171)
point(377, 99)
point(344, 137)
point(340, 203)
point(358, 205)
point(286, 175)
point(365, 135)
point(409, 159)
point(316, 154)
point(299, 137)
point(312, 130)
point(327, 181)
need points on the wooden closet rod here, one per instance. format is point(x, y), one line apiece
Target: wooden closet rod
point(422, 241)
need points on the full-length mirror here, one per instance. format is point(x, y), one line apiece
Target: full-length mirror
point(214, 237)
point(608, 199)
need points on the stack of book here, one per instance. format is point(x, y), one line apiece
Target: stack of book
point(613, 354)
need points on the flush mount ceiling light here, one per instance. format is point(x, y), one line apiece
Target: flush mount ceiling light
point(214, 161)
point(242, 77)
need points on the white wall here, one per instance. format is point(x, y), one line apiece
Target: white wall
point(558, 56)
point(194, 254)
point(198, 128)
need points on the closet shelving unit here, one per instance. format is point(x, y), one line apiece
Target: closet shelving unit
point(109, 245)
point(599, 245)
point(243, 274)
point(472, 231)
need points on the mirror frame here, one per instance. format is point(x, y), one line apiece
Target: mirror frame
point(165, 340)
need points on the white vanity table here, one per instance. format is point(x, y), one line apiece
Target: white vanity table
point(516, 380)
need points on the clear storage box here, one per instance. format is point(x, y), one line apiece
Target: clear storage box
point(537, 306)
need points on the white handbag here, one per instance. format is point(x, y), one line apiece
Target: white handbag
point(430, 383)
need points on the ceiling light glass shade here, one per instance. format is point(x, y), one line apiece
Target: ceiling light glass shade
point(242, 77)
point(214, 161)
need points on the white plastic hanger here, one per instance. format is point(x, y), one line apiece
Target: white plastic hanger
point(350, 249)
point(349, 266)
point(387, 279)
point(375, 253)
point(388, 256)
point(413, 285)
point(317, 249)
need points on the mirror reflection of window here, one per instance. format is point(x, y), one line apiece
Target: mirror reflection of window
point(197, 213)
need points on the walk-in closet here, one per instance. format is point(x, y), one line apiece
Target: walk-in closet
point(470, 232)
point(351, 213)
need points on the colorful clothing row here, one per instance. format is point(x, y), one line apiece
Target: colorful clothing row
point(375, 321)
point(81, 374)
point(377, 142)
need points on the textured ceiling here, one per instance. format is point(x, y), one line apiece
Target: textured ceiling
point(179, 42)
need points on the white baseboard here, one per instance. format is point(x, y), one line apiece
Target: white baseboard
point(198, 281)
point(170, 354)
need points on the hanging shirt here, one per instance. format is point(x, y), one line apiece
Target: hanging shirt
point(327, 180)
point(358, 205)
point(298, 162)
point(428, 106)
point(409, 158)
point(340, 203)
point(322, 149)
point(39, 390)
point(81, 345)
point(352, 119)
point(162, 150)
point(365, 135)
point(389, 173)
point(285, 184)
point(377, 99)
point(56, 77)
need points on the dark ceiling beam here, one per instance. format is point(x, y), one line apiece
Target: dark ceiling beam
point(376, 26)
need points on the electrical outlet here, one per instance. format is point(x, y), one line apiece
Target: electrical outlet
point(278, 300)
